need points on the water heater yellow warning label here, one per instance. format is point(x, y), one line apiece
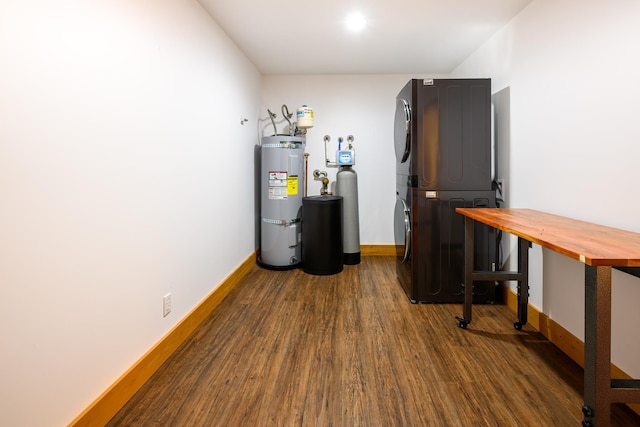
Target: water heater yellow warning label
point(292, 185)
point(278, 185)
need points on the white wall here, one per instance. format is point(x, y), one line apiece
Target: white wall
point(124, 174)
point(358, 105)
point(571, 68)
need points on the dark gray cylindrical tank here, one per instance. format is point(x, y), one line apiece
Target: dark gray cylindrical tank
point(322, 234)
point(347, 187)
point(281, 187)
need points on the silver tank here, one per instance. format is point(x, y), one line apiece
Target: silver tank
point(347, 187)
point(281, 187)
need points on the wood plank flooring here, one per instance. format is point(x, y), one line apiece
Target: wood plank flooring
point(292, 349)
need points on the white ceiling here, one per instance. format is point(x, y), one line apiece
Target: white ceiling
point(401, 36)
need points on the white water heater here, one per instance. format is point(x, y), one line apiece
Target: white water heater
point(281, 185)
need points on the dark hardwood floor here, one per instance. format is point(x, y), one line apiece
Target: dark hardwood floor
point(288, 348)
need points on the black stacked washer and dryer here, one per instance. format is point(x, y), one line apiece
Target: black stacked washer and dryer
point(443, 161)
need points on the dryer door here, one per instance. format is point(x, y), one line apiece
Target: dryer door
point(402, 130)
point(402, 230)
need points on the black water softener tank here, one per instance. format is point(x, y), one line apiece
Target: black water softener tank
point(322, 234)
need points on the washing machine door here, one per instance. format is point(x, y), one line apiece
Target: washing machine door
point(402, 230)
point(402, 130)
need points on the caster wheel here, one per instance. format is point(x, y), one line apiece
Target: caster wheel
point(462, 323)
point(517, 326)
point(587, 411)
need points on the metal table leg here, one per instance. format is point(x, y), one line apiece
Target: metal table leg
point(470, 276)
point(468, 273)
point(597, 346)
point(600, 391)
point(523, 282)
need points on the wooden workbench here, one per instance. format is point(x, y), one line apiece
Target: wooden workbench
point(600, 248)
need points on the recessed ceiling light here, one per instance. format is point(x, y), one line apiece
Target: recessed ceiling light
point(356, 22)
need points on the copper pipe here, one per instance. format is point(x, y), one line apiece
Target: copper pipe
point(306, 173)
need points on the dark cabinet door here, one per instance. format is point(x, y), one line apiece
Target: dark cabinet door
point(439, 241)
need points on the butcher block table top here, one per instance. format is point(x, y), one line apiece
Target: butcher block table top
point(592, 244)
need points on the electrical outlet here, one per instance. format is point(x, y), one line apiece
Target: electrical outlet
point(166, 305)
